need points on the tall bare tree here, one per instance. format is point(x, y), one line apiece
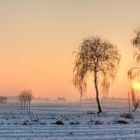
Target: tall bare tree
point(100, 58)
point(134, 72)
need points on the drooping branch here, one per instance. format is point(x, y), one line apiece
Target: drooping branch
point(133, 74)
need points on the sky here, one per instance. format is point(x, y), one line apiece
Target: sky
point(38, 38)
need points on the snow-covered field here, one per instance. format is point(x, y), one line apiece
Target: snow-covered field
point(69, 121)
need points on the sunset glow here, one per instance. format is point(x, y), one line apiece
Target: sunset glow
point(38, 39)
point(136, 85)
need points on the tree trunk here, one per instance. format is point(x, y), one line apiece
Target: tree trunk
point(29, 105)
point(21, 105)
point(97, 92)
point(129, 102)
point(24, 105)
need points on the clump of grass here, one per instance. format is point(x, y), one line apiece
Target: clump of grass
point(58, 123)
point(74, 123)
point(120, 122)
point(91, 112)
point(95, 122)
point(98, 123)
point(127, 115)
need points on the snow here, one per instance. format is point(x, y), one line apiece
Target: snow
point(69, 121)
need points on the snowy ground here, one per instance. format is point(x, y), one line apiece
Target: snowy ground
point(69, 121)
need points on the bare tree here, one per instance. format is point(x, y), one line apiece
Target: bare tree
point(29, 98)
point(134, 72)
point(136, 44)
point(25, 99)
point(100, 58)
point(21, 100)
point(136, 39)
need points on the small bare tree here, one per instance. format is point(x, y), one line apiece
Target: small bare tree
point(25, 99)
point(22, 98)
point(29, 98)
point(100, 58)
point(21, 101)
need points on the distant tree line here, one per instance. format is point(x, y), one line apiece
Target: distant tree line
point(3, 99)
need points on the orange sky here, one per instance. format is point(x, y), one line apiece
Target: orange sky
point(38, 37)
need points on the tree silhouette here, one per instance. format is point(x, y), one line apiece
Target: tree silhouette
point(29, 98)
point(136, 44)
point(136, 39)
point(25, 98)
point(21, 101)
point(100, 58)
point(134, 72)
